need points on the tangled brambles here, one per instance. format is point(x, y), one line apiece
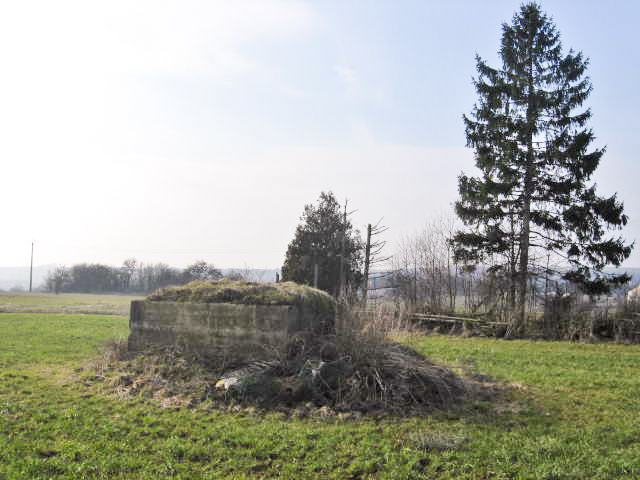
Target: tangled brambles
point(379, 375)
point(347, 372)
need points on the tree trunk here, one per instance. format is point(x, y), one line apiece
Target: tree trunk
point(524, 250)
point(526, 204)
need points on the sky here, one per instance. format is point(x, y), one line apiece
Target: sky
point(178, 131)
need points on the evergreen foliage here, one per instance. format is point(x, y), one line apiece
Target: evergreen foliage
point(532, 147)
point(322, 237)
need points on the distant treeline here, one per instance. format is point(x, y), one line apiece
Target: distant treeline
point(131, 277)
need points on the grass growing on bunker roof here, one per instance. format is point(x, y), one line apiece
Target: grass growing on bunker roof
point(249, 293)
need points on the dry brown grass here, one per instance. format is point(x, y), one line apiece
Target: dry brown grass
point(356, 370)
point(245, 292)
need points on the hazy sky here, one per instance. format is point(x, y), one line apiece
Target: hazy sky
point(178, 131)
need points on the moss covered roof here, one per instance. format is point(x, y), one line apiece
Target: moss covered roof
point(248, 293)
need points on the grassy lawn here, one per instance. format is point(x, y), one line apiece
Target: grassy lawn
point(571, 412)
point(65, 303)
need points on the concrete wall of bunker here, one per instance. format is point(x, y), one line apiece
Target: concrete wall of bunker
point(206, 326)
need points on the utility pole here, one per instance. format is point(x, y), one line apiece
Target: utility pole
point(31, 270)
point(342, 251)
point(367, 254)
point(371, 255)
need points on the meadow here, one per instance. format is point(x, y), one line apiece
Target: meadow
point(42, 302)
point(561, 411)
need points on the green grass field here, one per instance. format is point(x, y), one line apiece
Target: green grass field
point(571, 411)
point(65, 303)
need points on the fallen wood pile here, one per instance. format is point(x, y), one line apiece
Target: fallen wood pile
point(458, 324)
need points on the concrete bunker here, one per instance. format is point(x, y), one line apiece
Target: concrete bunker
point(208, 317)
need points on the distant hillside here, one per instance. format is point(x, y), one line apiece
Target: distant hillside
point(18, 277)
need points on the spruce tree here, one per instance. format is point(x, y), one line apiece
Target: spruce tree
point(532, 147)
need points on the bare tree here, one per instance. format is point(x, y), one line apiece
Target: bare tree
point(153, 276)
point(127, 271)
point(424, 269)
point(57, 279)
point(372, 255)
point(201, 270)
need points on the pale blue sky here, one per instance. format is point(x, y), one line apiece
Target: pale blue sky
point(177, 131)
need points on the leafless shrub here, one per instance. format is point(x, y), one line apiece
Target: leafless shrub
point(423, 266)
point(382, 374)
point(571, 317)
point(382, 320)
point(114, 351)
